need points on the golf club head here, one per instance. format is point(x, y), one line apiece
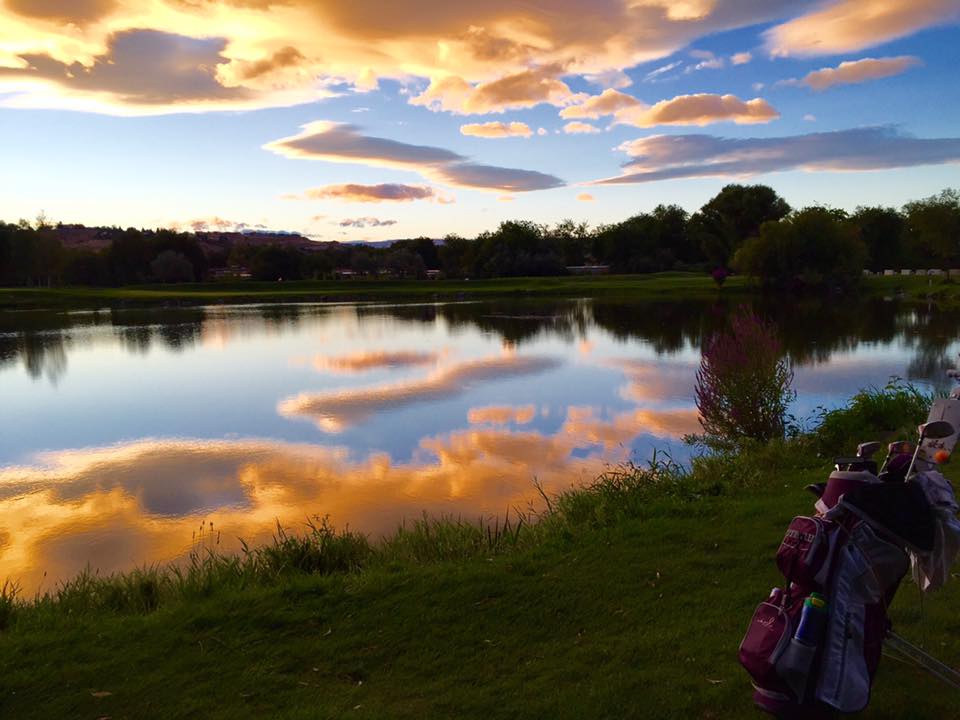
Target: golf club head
point(900, 447)
point(936, 429)
point(868, 449)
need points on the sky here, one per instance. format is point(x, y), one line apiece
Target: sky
point(368, 120)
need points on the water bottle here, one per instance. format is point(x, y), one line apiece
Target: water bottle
point(813, 620)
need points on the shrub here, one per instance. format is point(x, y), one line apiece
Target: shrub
point(873, 414)
point(744, 384)
point(172, 267)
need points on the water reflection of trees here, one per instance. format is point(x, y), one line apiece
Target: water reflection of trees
point(520, 321)
point(812, 328)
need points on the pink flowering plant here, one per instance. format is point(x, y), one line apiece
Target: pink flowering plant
point(744, 384)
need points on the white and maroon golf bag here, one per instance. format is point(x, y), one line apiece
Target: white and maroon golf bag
point(813, 646)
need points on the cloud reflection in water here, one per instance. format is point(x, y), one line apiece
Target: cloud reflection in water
point(333, 411)
point(126, 505)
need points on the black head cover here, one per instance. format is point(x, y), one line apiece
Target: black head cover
point(898, 510)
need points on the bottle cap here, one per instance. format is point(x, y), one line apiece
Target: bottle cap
point(816, 600)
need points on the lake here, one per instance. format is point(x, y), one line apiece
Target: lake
point(124, 431)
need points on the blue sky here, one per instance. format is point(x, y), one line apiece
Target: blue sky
point(154, 113)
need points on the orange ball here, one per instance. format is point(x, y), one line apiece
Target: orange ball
point(941, 457)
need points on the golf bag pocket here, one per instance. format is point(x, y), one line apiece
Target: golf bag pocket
point(805, 550)
point(794, 666)
point(768, 635)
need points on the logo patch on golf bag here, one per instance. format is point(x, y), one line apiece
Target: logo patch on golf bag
point(803, 553)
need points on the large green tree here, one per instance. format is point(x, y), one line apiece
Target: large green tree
point(932, 231)
point(881, 230)
point(733, 216)
point(812, 246)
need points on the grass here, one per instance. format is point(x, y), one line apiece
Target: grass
point(625, 598)
point(942, 290)
point(651, 286)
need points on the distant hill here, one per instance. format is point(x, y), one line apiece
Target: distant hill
point(386, 243)
point(82, 237)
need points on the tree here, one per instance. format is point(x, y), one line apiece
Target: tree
point(648, 242)
point(275, 262)
point(172, 267)
point(572, 241)
point(516, 248)
point(810, 247)
point(733, 216)
point(83, 267)
point(744, 383)
point(30, 256)
point(422, 246)
point(405, 264)
point(130, 257)
point(932, 229)
point(881, 230)
point(456, 256)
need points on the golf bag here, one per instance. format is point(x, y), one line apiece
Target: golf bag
point(813, 646)
point(840, 558)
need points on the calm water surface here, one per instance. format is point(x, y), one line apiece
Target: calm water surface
point(122, 431)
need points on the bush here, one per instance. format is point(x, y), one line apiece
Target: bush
point(873, 414)
point(172, 267)
point(743, 384)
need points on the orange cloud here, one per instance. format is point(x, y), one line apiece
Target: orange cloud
point(578, 128)
point(224, 54)
point(858, 71)
point(501, 415)
point(699, 109)
point(512, 92)
point(496, 129)
point(585, 197)
point(384, 192)
point(80, 12)
point(376, 360)
point(606, 103)
point(850, 25)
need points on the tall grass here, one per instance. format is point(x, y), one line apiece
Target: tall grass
point(888, 413)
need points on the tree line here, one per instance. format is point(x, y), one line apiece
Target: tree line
point(744, 228)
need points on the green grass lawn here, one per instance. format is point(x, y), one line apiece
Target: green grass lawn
point(651, 286)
